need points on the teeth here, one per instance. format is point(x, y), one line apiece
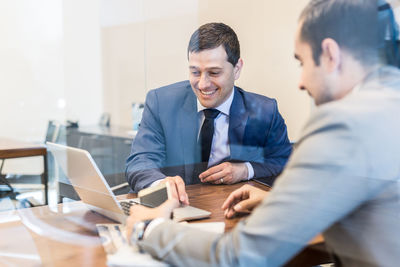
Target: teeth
point(208, 93)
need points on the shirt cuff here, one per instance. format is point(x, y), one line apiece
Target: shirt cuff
point(156, 182)
point(250, 171)
point(152, 225)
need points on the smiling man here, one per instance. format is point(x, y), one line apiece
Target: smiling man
point(207, 130)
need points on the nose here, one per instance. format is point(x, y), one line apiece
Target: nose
point(204, 82)
point(301, 83)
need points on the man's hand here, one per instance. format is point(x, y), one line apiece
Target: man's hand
point(243, 200)
point(179, 185)
point(225, 173)
point(141, 213)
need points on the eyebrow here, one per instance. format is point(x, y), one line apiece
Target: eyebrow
point(297, 57)
point(208, 69)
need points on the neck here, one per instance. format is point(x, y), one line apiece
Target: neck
point(353, 74)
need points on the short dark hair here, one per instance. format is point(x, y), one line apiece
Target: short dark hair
point(212, 35)
point(353, 24)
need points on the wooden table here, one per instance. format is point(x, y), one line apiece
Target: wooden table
point(65, 234)
point(212, 197)
point(10, 148)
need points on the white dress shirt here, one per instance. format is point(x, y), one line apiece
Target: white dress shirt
point(220, 144)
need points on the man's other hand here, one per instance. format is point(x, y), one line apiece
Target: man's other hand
point(179, 185)
point(225, 173)
point(243, 200)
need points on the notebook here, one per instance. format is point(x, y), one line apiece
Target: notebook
point(91, 186)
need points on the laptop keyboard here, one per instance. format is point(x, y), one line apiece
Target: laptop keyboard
point(126, 205)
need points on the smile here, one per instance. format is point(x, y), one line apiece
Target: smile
point(208, 92)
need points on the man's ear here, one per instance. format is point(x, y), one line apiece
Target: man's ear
point(238, 68)
point(331, 55)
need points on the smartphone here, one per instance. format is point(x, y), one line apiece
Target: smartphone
point(153, 196)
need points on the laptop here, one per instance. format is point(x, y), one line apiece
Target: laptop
point(93, 189)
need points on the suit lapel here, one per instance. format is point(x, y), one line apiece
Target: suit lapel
point(237, 123)
point(188, 127)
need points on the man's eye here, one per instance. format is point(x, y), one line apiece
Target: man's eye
point(195, 73)
point(215, 73)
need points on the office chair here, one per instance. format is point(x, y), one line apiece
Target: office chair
point(25, 173)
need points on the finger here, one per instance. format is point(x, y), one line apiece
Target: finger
point(215, 177)
point(187, 200)
point(219, 180)
point(211, 171)
point(180, 184)
point(174, 185)
point(224, 172)
point(229, 213)
point(245, 205)
point(233, 198)
point(172, 190)
point(232, 213)
point(235, 210)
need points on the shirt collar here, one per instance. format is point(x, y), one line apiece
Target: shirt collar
point(223, 108)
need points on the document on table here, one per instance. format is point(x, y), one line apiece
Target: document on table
point(215, 227)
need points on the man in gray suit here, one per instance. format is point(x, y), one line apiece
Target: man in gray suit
point(342, 178)
point(247, 137)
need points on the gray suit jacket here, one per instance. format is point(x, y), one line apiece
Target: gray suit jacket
point(166, 144)
point(342, 179)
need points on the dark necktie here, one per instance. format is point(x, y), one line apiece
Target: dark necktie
point(207, 132)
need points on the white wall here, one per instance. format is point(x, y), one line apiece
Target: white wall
point(50, 65)
point(82, 61)
point(31, 70)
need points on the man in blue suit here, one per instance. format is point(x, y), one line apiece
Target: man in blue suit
point(206, 129)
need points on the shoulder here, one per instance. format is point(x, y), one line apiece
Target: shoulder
point(256, 103)
point(249, 97)
point(345, 119)
point(171, 97)
point(328, 116)
point(179, 89)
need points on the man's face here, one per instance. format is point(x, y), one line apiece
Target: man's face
point(313, 78)
point(212, 76)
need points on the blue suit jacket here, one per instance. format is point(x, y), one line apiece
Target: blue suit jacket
point(166, 143)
